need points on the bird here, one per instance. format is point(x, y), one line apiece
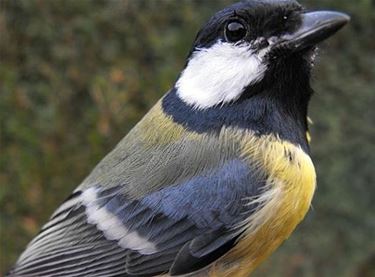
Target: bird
point(217, 175)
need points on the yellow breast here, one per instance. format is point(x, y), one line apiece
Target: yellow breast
point(282, 205)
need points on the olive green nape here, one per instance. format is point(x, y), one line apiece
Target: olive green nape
point(176, 155)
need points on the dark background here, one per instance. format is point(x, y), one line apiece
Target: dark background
point(76, 75)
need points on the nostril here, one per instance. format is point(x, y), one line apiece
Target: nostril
point(263, 43)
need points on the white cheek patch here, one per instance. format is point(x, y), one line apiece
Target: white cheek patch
point(219, 74)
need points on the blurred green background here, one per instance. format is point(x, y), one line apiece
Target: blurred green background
point(76, 75)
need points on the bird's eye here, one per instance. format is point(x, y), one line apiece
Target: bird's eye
point(235, 31)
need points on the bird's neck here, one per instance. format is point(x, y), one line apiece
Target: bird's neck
point(259, 113)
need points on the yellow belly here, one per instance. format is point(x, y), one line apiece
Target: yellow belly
point(283, 204)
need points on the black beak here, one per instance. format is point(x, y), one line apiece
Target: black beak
point(315, 27)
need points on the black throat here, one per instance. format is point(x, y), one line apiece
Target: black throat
point(278, 105)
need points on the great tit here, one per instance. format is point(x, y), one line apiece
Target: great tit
point(217, 174)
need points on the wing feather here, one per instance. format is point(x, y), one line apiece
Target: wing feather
point(181, 228)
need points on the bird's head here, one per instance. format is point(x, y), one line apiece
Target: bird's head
point(251, 46)
point(249, 68)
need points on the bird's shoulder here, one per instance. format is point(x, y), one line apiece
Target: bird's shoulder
point(160, 152)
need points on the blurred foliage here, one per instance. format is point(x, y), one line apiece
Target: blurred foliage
point(75, 76)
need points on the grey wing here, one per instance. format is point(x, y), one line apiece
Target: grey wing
point(178, 229)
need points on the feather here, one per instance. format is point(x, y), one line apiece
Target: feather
point(105, 229)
